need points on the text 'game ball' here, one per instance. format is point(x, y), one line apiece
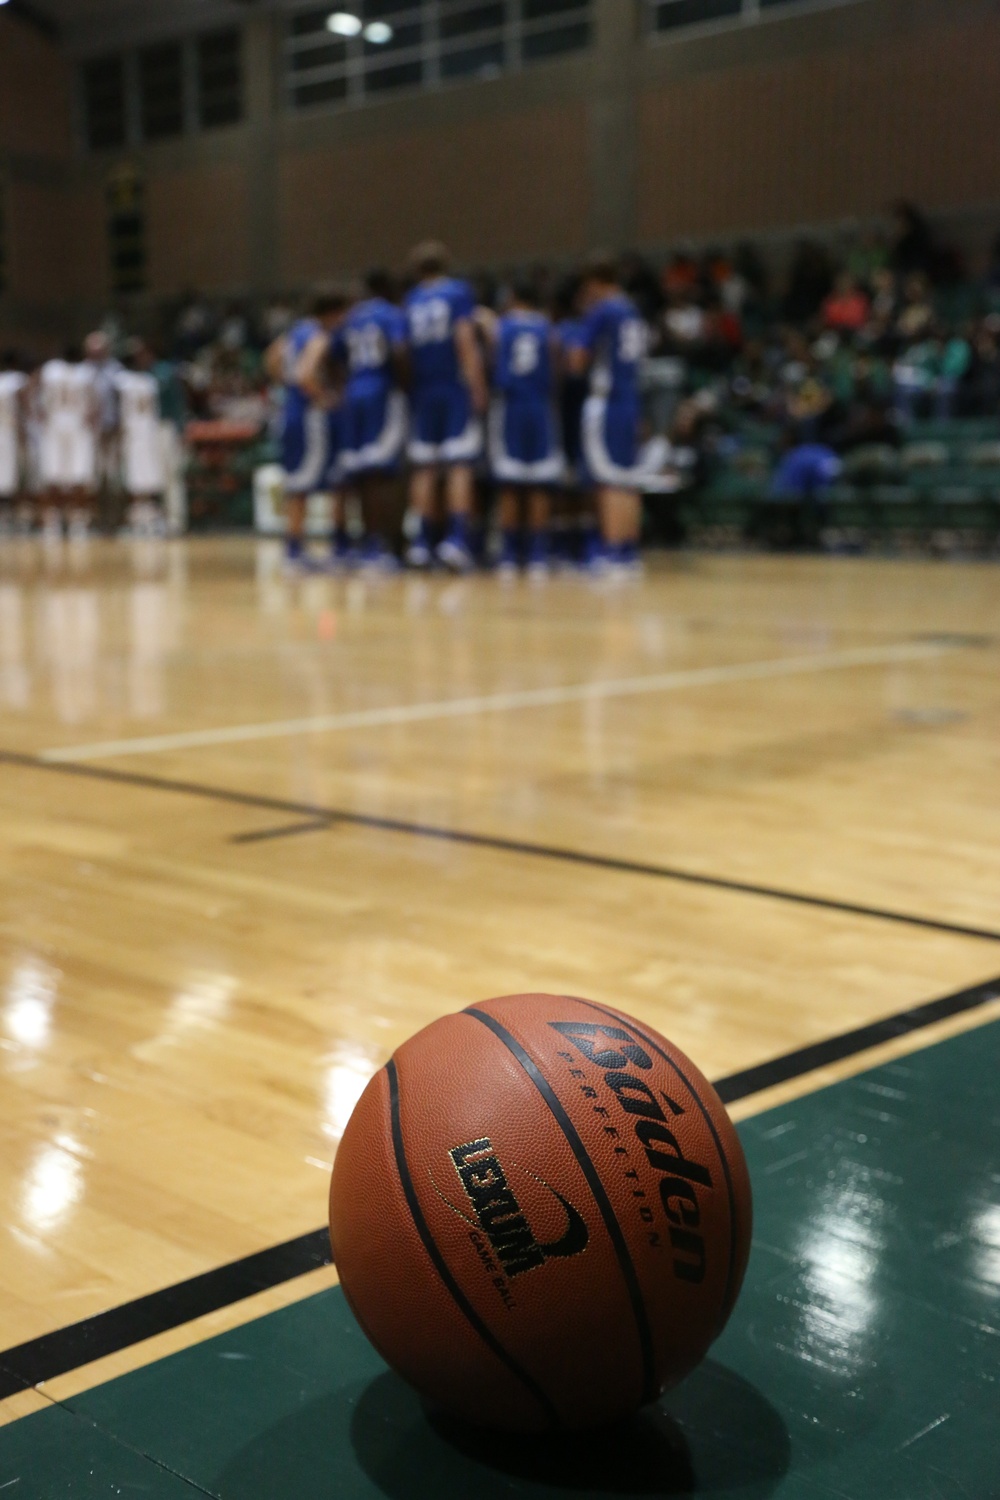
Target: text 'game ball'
point(540, 1213)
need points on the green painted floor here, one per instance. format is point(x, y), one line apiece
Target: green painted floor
point(863, 1360)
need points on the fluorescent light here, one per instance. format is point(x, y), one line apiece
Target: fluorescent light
point(378, 32)
point(343, 23)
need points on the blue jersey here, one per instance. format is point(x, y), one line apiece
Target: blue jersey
point(523, 369)
point(572, 334)
point(616, 336)
point(296, 339)
point(432, 312)
point(365, 342)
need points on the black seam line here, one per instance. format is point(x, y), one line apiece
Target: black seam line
point(119, 1328)
point(334, 815)
point(440, 1265)
point(834, 1049)
point(723, 1161)
point(286, 831)
point(650, 1384)
point(79, 1344)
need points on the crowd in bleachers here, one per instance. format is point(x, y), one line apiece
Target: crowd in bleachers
point(856, 384)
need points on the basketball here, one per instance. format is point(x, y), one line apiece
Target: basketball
point(540, 1213)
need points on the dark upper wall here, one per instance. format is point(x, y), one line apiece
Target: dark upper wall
point(830, 117)
point(808, 118)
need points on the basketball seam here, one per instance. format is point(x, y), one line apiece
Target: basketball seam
point(439, 1262)
point(650, 1384)
point(729, 1298)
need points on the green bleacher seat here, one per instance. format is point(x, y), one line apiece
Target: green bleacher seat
point(926, 454)
point(872, 464)
point(899, 513)
point(964, 514)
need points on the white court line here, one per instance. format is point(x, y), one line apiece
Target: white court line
point(457, 708)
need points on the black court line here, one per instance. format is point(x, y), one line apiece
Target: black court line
point(287, 831)
point(314, 814)
point(67, 1348)
point(821, 1054)
point(109, 1332)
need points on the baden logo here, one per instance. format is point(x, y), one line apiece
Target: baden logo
point(499, 1215)
point(614, 1051)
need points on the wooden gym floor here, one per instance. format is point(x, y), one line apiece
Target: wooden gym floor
point(254, 832)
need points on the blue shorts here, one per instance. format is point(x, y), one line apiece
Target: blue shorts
point(444, 429)
point(305, 451)
point(374, 431)
point(610, 443)
point(524, 443)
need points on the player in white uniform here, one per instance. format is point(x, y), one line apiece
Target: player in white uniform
point(12, 404)
point(143, 469)
point(69, 439)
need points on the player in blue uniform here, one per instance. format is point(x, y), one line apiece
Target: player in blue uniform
point(448, 399)
point(576, 535)
point(371, 343)
point(525, 448)
point(304, 418)
point(614, 340)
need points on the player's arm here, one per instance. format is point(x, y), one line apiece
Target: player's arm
point(470, 361)
point(274, 360)
point(488, 324)
point(310, 369)
point(578, 359)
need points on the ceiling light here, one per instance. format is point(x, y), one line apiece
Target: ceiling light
point(378, 32)
point(343, 23)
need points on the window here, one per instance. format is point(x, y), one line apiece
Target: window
point(672, 15)
point(104, 103)
point(370, 47)
point(161, 91)
point(127, 230)
point(219, 78)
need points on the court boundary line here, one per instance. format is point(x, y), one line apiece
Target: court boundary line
point(65, 1349)
point(323, 817)
point(557, 696)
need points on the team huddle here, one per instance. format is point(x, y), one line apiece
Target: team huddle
point(76, 423)
point(443, 385)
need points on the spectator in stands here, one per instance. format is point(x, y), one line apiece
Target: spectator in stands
point(993, 268)
point(810, 278)
point(984, 375)
point(680, 274)
point(917, 312)
point(642, 284)
point(912, 244)
point(847, 309)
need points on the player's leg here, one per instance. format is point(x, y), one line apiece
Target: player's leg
point(460, 448)
point(460, 488)
point(539, 516)
point(304, 459)
point(509, 520)
point(375, 433)
point(423, 494)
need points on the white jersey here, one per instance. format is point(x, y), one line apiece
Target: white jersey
point(12, 383)
point(142, 443)
point(68, 409)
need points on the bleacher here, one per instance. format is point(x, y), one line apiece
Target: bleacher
point(937, 493)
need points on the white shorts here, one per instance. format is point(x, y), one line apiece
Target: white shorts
point(142, 460)
point(9, 467)
point(69, 456)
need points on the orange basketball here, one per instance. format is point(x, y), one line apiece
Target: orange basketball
point(540, 1213)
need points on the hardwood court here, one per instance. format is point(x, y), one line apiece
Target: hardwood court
point(255, 832)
